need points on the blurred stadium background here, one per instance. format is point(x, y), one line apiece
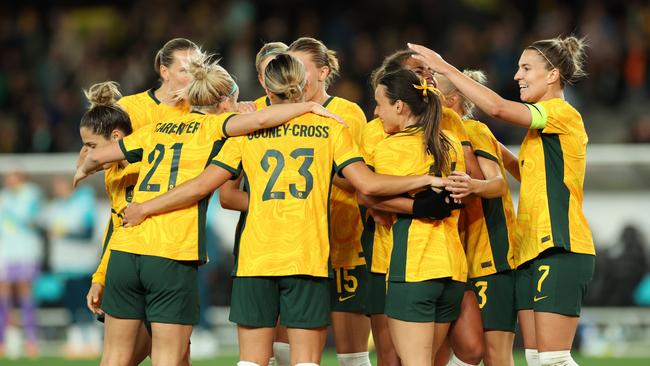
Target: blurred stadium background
point(51, 50)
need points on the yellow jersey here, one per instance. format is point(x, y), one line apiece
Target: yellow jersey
point(453, 124)
point(345, 216)
point(421, 249)
point(490, 222)
point(375, 238)
point(289, 172)
point(262, 102)
point(120, 183)
point(171, 152)
point(552, 164)
point(144, 108)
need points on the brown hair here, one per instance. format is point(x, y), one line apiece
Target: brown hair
point(427, 108)
point(104, 115)
point(320, 54)
point(211, 83)
point(391, 63)
point(285, 77)
point(565, 54)
point(268, 50)
point(165, 55)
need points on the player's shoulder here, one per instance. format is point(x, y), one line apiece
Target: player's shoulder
point(146, 97)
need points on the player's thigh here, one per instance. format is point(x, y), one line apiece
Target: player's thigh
point(169, 343)
point(351, 331)
point(255, 344)
point(120, 340)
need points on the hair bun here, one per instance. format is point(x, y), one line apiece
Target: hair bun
point(103, 94)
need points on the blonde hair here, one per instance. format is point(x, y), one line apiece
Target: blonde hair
point(104, 114)
point(285, 77)
point(565, 54)
point(211, 84)
point(165, 56)
point(320, 54)
point(268, 50)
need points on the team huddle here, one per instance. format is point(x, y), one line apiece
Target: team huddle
point(402, 227)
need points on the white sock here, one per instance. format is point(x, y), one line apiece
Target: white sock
point(272, 361)
point(532, 357)
point(455, 361)
point(558, 358)
point(282, 354)
point(354, 359)
point(246, 363)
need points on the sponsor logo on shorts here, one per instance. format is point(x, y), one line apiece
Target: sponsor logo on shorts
point(536, 299)
point(343, 298)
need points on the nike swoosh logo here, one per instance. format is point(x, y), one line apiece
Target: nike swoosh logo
point(343, 298)
point(536, 299)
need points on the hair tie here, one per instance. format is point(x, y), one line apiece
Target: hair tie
point(234, 89)
point(424, 86)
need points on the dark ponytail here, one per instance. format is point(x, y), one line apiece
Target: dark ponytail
point(426, 106)
point(104, 115)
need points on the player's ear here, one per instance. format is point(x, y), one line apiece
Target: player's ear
point(324, 72)
point(117, 134)
point(164, 72)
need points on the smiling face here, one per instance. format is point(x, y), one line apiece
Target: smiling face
point(93, 140)
point(533, 77)
point(420, 69)
point(387, 112)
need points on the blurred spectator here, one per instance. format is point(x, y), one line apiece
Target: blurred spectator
point(639, 131)
point(20, 254)
point(70, 223)
point(626, 266)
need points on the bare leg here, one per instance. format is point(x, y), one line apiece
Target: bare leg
point(255, 344)
point(386, 353)
point(169, 343)
point(413, 341)
point(120, 337)
point(307, 344)
point(554, 332)
point(466, 334)
point(498, 350)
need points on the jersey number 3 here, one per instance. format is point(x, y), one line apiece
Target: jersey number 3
point(269, 193)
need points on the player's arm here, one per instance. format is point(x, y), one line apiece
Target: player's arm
point(232, 198)
point(367, 182)
point(183, 195)
point(510, 162)
point(494, 185)
point(343, 184)
point(471, 163)
point(484, 98)
point(271, 116)
point(393, 204)
point(97, 157)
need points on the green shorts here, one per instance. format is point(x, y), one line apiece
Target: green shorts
point(350, 289)
point(376, 303)
point(299, 301)
point(154, 289)
point(496, 298)
point(554, 282)
point(436, 300)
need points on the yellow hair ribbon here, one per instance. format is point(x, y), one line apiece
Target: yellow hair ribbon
point(424, 86)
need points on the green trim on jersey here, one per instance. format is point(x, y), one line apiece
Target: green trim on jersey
point(223, 127)
point(497, 228)
point(267, 101)
point(487, 155)
point(241, 224)
point(132, 156)
point(367, 237)
point(399, 255)
point(538, 116)
point(466, 143)
point(339, 168)
point(234, 171)
point(152, 95)
point(328, 101)
point(107, 238)
point(558, 194)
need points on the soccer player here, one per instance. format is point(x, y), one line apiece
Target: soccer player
point(489, 231)
point(152, 272)
point(349, 290)
point(555, 255)
point(283, 257)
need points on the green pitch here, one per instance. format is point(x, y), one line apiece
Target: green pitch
point(329, 359)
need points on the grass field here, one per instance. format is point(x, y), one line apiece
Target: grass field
point(329, 359)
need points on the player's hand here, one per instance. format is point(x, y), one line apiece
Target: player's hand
point(94, 298)
point(382, 218)
point(246, 107)
point(133, 215)
point(78, 177)
point(322, 111)
point(430, 58)
point(461, 185)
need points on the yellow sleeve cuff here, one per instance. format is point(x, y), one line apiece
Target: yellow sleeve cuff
point(539, 116)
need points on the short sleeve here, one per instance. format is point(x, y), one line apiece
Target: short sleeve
point(132, 145)
point(218, 123)
point(484, 143)
point(345, 150)
point(452, 122)
point(230, 156)
point(372, 133)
